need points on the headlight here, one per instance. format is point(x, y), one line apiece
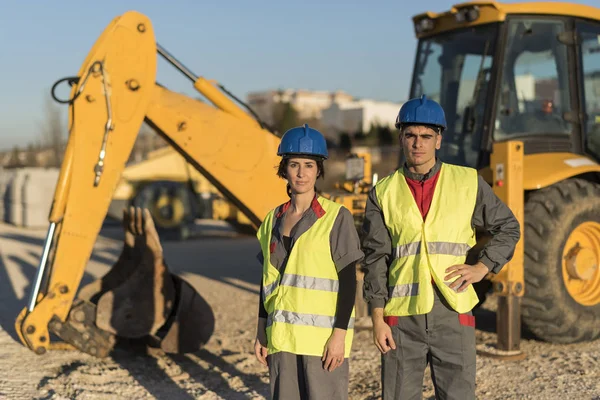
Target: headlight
point(424, 25)
point(467, 14)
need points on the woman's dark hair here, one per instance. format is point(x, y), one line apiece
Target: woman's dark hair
point(281, 170)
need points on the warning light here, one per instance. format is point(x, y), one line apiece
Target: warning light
point(500, 183)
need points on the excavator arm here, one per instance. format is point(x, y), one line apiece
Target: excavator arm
point(238, 158)
point(114, 93)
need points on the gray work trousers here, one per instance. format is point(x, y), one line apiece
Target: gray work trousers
point(297, 377)
point(441, 339)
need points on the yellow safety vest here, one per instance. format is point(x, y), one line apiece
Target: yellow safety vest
point(302, 303)
point(422, 250)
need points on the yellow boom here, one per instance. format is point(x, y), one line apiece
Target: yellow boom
point(114, 93)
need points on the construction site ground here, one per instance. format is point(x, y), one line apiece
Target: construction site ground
point(224, 270)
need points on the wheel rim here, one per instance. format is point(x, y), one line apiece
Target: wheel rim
point(580, 261)
point(168, 211)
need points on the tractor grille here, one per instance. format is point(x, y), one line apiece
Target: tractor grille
point(547, 146)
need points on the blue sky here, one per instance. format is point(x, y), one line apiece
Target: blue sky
point(364, 48)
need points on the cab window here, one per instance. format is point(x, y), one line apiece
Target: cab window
point(589, 35)
point(534, 90)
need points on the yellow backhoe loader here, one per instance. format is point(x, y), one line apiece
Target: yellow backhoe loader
point(520, 84)
point(114, 92)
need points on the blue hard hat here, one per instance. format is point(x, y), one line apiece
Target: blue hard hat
point(421, 111)
point(303, 140)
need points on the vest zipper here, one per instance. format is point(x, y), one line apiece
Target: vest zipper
point(422, 197)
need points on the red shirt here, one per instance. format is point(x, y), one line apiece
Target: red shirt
point(423, 192)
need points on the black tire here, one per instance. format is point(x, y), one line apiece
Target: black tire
point(551, 214)
point(167, 226)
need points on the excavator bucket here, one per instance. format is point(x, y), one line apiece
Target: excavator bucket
point(139, 298)
point(127, 262)
point(192, 324)
point(141, 303)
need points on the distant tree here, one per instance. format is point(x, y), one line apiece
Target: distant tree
point(360, 137)
point(345, 141)
point(385, 136)
point(15, 161)
point(285, 117)
point(53, 132)
point(30, 158)
point(330, 144)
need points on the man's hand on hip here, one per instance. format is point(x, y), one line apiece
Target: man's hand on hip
point(467, 274)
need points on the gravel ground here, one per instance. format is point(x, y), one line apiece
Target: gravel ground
point(224, 271)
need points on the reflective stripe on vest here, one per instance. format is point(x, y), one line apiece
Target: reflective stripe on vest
point(302, 303)
point(404, 290)
point(411, 249)
point(267, 290)
point(422, 250)
point(304, 282)
point(289, 317)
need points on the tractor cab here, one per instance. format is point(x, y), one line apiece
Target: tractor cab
point(502, 73)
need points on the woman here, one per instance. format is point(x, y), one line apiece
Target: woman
point(309, 248)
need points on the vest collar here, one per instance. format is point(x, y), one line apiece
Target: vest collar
point(423, 177)
point(314, 205)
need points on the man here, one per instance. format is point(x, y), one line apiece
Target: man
point(419, 224)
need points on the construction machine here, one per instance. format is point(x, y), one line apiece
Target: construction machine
point(113, 94)
point(175, 193)
point(520, 85)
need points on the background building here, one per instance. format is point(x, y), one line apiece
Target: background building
point(358, 117)
point(308, 104)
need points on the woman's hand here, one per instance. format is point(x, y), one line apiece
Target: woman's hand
point(260, 344)
point(334, 350)
point(260, 352)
